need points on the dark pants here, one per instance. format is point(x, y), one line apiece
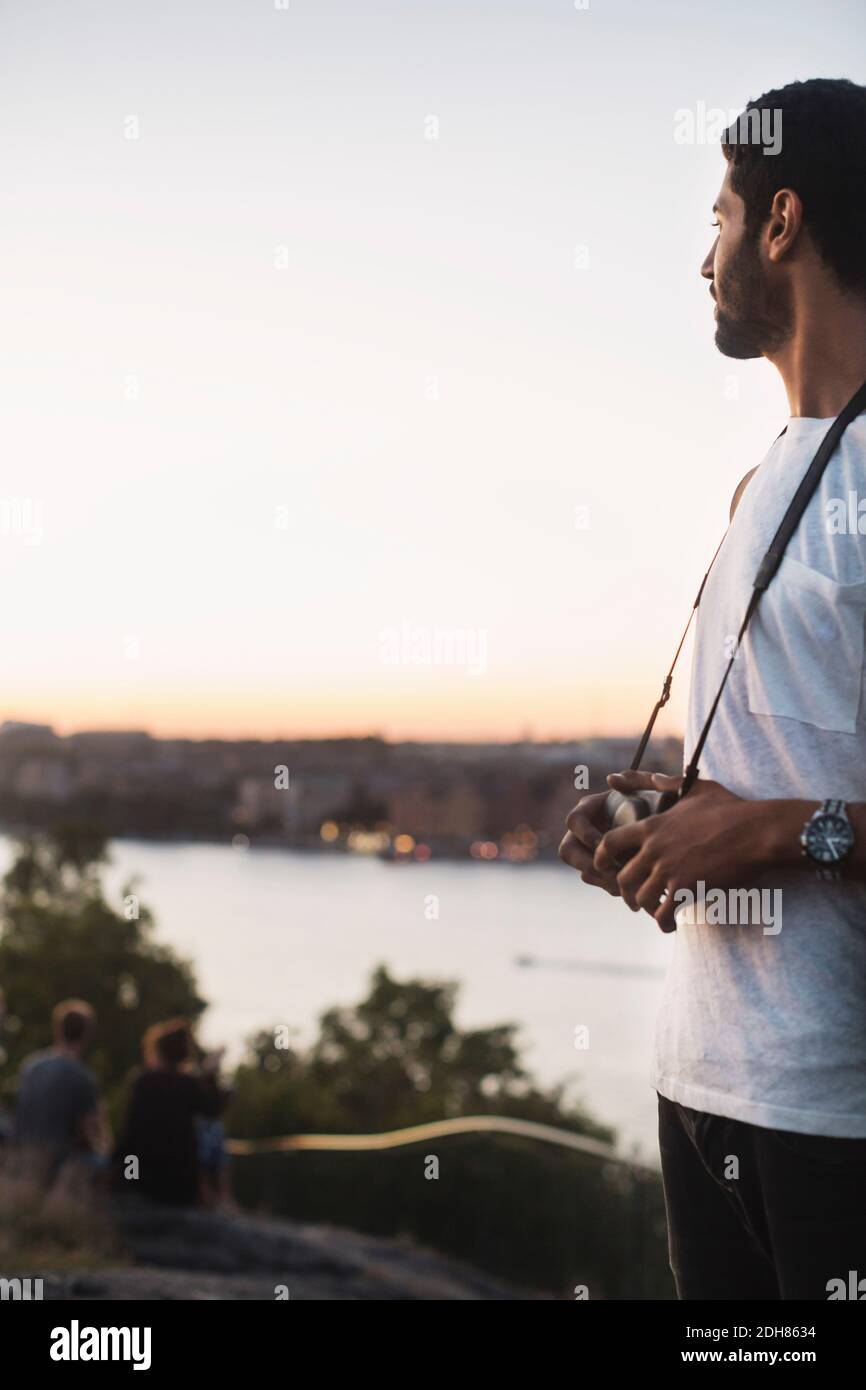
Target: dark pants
point(792, 1220)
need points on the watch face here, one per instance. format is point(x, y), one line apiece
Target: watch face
point(829, 839)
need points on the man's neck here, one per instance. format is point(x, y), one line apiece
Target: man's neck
point(823, 362)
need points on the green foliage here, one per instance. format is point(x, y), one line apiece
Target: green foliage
point(59, 939)
point(395, 1059)
point(540, 1216)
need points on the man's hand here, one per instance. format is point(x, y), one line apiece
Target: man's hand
point(711, 835)
point(587, 824)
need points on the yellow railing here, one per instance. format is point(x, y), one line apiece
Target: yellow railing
point(438, 1129)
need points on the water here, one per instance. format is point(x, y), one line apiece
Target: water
point(276, 937)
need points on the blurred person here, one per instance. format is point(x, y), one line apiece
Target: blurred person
point(166, 1101)
point(760, 1051)
point(59, 1115)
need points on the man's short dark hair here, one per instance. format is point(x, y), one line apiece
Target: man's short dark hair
point(73, 1021)
point(822, 158)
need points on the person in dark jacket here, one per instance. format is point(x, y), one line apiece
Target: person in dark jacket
point(159, 1140)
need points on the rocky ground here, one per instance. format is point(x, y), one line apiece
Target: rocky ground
point(205, 1255)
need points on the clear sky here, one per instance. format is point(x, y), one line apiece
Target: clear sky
point(331, 324)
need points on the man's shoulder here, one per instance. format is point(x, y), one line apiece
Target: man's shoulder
point(36, 1060)
point(50, 1061)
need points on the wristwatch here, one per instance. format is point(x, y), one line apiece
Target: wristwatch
point(827, 839)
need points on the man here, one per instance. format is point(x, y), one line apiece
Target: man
point(760, 1059)
point(59, 1116)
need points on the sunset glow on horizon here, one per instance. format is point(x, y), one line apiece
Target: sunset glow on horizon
point(452, 714)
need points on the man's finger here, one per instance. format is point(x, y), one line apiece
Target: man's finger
point(632, 878)
point(631, 781)
point(580, 820)
point(573, 853)
point(577, 856)
point(665, 913)
point(650, 892)
point(596, 880)
point(664, 782)
point(618, 846)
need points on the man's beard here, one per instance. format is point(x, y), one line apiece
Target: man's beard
point(754, 321)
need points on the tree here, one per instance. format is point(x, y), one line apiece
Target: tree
point(397, 1058)
point(59, 938)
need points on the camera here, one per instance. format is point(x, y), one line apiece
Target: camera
point(625, 810)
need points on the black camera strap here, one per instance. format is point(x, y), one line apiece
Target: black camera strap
point(769, 565)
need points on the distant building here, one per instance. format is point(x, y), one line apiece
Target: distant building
point(314, 797)
point(422, 809)
point(11, 728)
point(44, 779)
point(300, 808)
point(262, 804)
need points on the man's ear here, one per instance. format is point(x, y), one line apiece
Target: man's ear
point(785, 222)
point(741, 487)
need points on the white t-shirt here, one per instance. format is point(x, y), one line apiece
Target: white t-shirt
point(770, 1027)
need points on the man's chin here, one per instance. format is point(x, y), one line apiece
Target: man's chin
point(731, 341)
